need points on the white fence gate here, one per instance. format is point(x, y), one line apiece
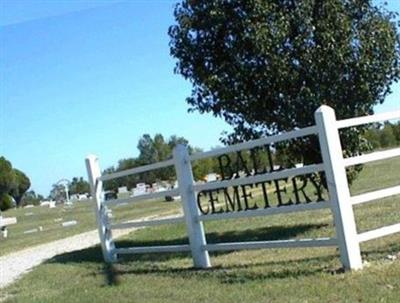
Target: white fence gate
point(340, 201)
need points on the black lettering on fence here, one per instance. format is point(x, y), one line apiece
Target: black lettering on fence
point(256, 161)
point(301, 189)
point(232, 203)
point(282, 190)
point(246, 196)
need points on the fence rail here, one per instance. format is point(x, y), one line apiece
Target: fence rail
point(152, 249)
point(379, 232)
point(255, 143)
point(378, 194)
point(340, 202)
point(321, 242)
point(260, 178)
point(368, 119)
point(380, 155)
point(147, 223)
point(137, 170)
point(266, 211)
point(157, 195)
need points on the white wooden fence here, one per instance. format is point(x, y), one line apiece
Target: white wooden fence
point(340, 201)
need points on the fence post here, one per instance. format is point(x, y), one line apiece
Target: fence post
point(195, 228)
point(107, 245)
point(338, 187)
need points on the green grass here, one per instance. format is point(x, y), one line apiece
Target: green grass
point(275, 275)
point(83, 212)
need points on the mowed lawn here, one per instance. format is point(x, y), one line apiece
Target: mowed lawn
point(275, 275)
point(50, 220)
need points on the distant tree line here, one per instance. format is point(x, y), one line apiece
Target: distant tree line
point(384, 136)
point(78, 185)
point(152, 150)
point(157, 148)
point(13, 185)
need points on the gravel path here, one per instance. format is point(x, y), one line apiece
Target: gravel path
point(12, 266)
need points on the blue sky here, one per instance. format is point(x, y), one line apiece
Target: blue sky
point(80, 77)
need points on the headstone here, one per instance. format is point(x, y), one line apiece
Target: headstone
point(49, 203)
point(69, 223)
point(123, 192)
point(211, 177)
point(31, 231)
point(83, 197)
point(140, 189)
point(78, 197)
point(58, 219)
point(122, 189)
point(29, 214)
point(4, 231)
point(121, 204)
point(44, 203)
point(7, 221)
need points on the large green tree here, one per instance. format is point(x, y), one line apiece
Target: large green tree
point(266, 66)
point(7, 183)
point(13, 184)
point(7, 176)
point(22, 185)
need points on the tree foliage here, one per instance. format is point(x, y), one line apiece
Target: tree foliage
point(79, 186)
point(384, 136)
point(13, 184)
point(266, 66)
point(152, 150)
point(31, 198)
point(7, 176)
point(58, 193)
point(22, 185)
point(5, 202)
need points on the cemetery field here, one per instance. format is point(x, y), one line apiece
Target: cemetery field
point(44, 224)
point(275, 275)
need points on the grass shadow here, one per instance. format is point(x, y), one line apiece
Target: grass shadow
point(240, 273)
point(154, 263)
point(246, 270)
point(254, 234)
point(390, 246)
point(93, 254)
point(89, 255)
